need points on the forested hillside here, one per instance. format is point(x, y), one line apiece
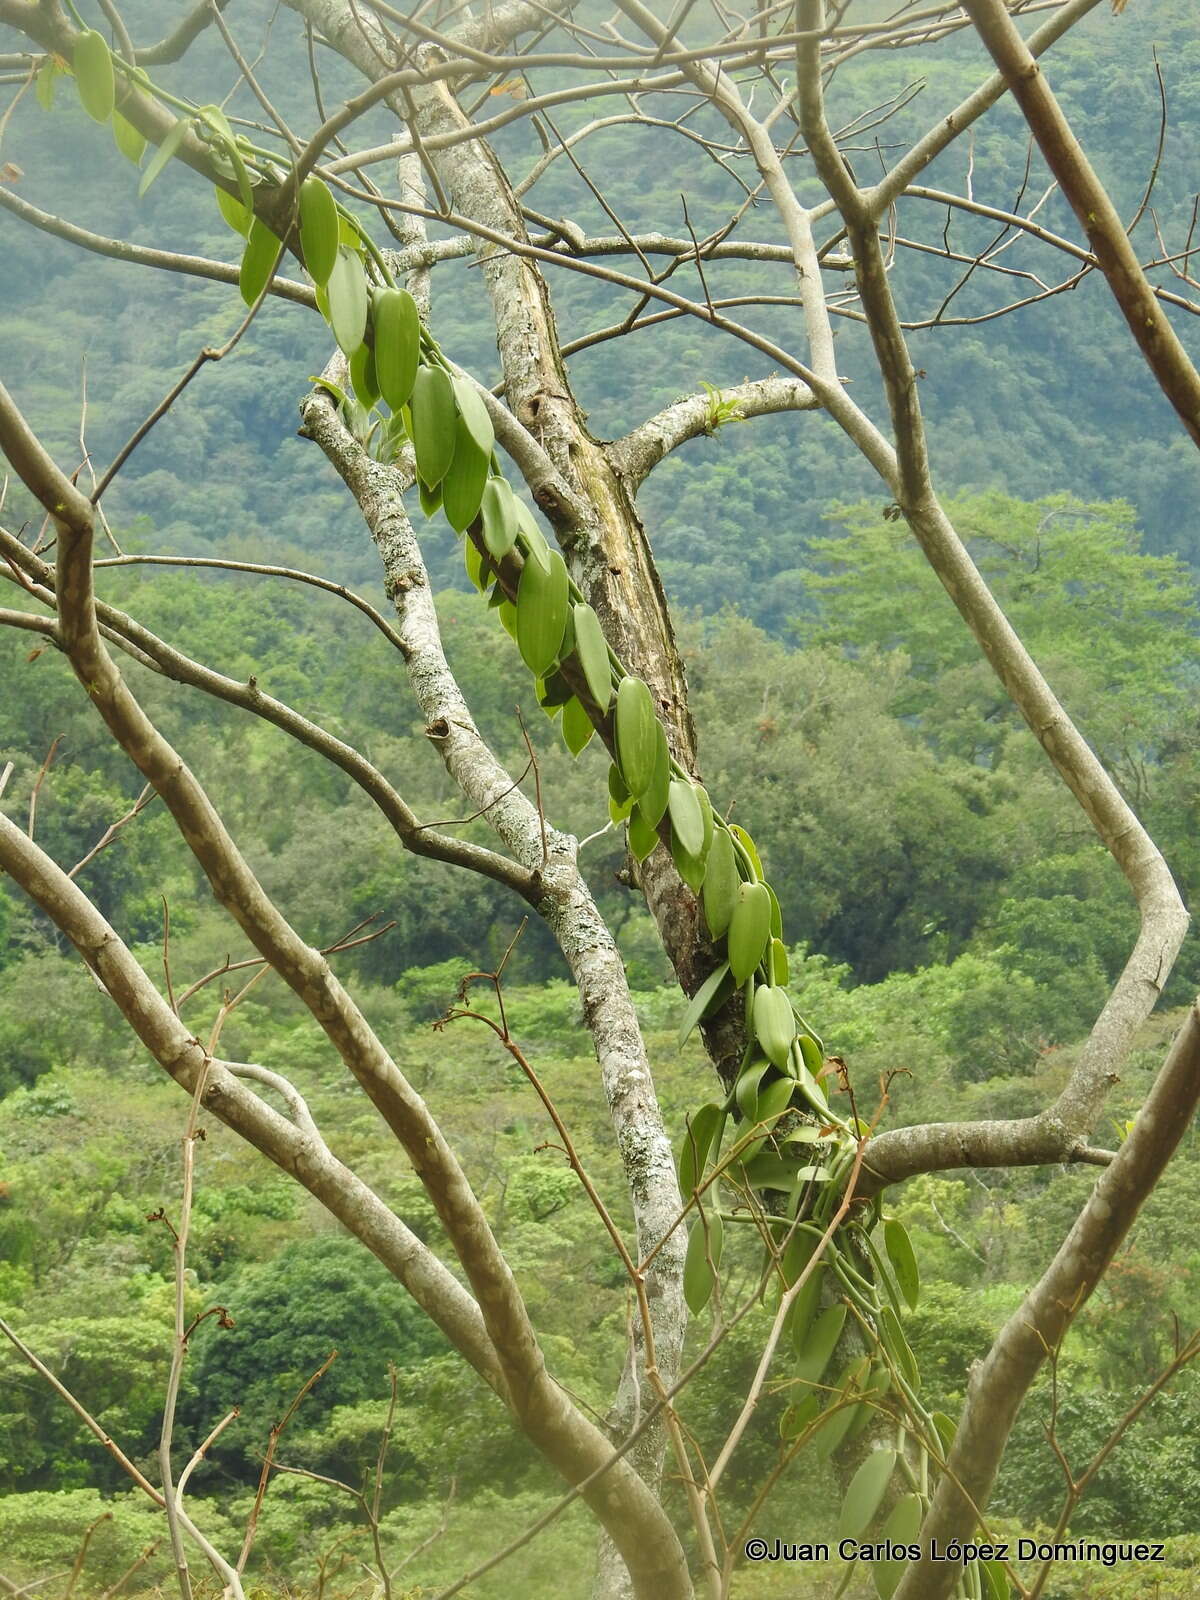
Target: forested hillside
point(950, 913)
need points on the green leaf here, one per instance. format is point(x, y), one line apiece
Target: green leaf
point(643, 835)
point(703, 1133)
point(748, 846)
point(774, 1024)
point(319, 234)
point(473, 562)
point(749, 929)
point(171, 142)
point(130, 141)
point(865, 1494)
point(847, 1418)
point(474, 413)
point(898, 1347)
point(535, 539)
point(706, 996)
point(653, 803)
point(499, 512)
point(706, 814)
point(769, 1171)
point(995, 1584)
point(774, 1100)
point(92, 60)
point(258, 259)
point(811, 1088)
point(435, 419)
point(745, 1090)
point(230, 207)
point(620, 801)
point(228, 158)
point(397, 327)
point(362, 375)
point(721, 882)
point(689, 868)
point(431, 504)
point(702, 1261)
point(776, 915)
point(810, 1053)
point(44, 84)
point(349, 233)
point(577, 726)
point(804, 1306)
point(904, 1260)
point(946, 1428)
point(348, 300)
point(637, 732)
point(779, 962)
point(818, 1348)
point(463, 485)
point(902, 1527)
point(687, 817)
point(542, 602)
point(796, 1418)
point(591, 650)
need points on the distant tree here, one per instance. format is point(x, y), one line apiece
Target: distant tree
point(439, 136)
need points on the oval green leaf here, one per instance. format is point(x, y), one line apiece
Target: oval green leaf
point(779, 962)
point(637, 735)
point(620, 801)
point(92, 60)
point(319, 230)
point(946, 1429)
point(865, 1494)
point(902, 1527)
point(642, 836)
point(230, 207)
point(591, 650)
point(705, 996)
point(703, 1260)
point(473, 410)
point(653, 803)
point(804, 1308)
point(818, 1348)
point(796, 1418)
point(577, 726)
point(434, 423)
point(703, 1130)
point(258, 260)
point(689, 868)
point(542, 601)
point(721, 882)
point(348, 300)
point(687, 816)
point(774, 1100)
point(362, 375)
point(397, 327)
point(774, 1025)
point(903, 1259)
point(130, 141)
point(750, 849)
point(44, 84)
point(499, 512)
point(463, 485)
point(745, 1090)
point(174, 138)
point(749, 929)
